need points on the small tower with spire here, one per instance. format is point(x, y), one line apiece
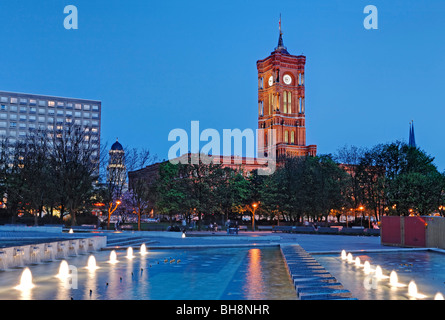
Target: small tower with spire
point(412, 138)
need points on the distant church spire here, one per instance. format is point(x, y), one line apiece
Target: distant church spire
point(412, 138)
point(281, 48)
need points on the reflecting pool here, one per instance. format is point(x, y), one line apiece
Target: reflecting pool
point(192, 274)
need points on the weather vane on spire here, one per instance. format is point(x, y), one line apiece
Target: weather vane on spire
point(280, 24)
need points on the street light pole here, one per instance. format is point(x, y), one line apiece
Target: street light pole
point(255, 205)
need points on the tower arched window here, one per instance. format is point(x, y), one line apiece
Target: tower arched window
point(286, 136)
point(292, 137)
point(287, 102)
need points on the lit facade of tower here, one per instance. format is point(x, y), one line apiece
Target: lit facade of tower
point(281, 102)
point(116, 169)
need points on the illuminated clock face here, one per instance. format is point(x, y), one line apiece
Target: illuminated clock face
point(287, 79)
point(270, 81)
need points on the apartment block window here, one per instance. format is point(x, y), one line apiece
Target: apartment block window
point(13, 117)
point(60, 112)
point(13, 100)
point(13, 124)
point(42, 103)
point(41, 111)
point(4, 99)
point(86, 114)
point(78, 114)
point(95, 108)
point(78, 106)
point(22, 125)
point(60, 104)
point(32, 109)
point(51, 112)
point(86, 107)
point(3, 107)
point(41, 119)
point(95, 123)
point(3, 115)
point(96, 115)
point(3, 124)
point(32, 102)
point(69, 105)
point(22, 117)
point(13, 108)
point(32, 118)
point(51, 103)
point(23, 109)
point(2, 132)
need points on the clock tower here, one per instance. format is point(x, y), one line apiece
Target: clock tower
point(281, 102)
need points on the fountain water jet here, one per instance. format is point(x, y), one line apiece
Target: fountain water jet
point(143, 249)
point(92, 263)
point(357, 262)
point(25, 280)
point(394, 280)
point(113, 257)
point(367, 267)
point(350, 258)
point(438, 296)
point(130, 253)
point(379, 273)
point(343, 255)
point(412, 291)
point(64, 270)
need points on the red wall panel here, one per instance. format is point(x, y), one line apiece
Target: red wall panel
point(415, 232)
point(391, 232)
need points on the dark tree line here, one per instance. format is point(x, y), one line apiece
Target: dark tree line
point(388, 179)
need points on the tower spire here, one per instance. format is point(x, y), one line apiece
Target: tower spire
point(412, 138)
point(281, 48)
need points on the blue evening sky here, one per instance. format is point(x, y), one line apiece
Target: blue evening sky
point(158, 65)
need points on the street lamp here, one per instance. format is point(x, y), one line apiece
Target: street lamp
point(254, 205)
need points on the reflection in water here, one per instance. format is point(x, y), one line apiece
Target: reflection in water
point(254, 284)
